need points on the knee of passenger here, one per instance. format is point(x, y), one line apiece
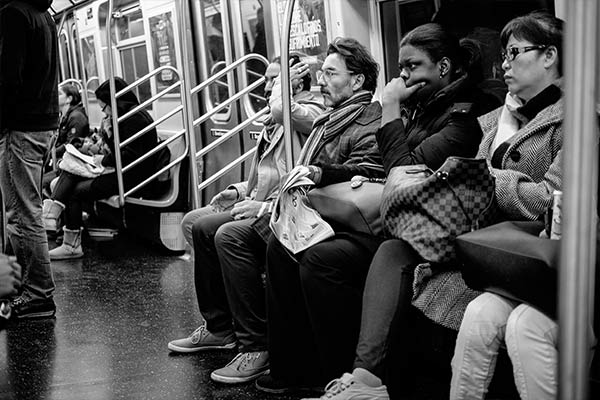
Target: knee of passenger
point(482, 319)
point(223, 236)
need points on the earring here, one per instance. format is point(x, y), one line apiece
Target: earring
point(442, 74)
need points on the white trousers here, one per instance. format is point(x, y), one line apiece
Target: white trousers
point(530, 337)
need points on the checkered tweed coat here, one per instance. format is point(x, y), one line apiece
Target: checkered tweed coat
point(531, 171)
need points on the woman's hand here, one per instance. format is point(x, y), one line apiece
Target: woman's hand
point(396, 91)
point(297, 73)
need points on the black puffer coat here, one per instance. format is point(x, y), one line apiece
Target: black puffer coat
point(445, 126)
point(74, 124)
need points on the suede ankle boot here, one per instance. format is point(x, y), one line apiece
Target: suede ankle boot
point(71, 247)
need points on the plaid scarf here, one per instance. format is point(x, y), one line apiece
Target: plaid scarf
point(334, 122)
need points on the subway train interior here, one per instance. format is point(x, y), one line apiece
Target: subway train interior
point(197, 68)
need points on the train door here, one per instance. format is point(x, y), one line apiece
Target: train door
point(224, 31)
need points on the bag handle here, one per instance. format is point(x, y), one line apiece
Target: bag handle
point(443, 176)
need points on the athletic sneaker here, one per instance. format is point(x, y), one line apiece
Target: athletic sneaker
point(243, 368)
point(355, 386)
point(25, 308)
point(201, 339)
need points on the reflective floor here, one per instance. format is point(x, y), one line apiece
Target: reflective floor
point(117, 309)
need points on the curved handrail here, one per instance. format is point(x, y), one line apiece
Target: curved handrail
point(229, 68)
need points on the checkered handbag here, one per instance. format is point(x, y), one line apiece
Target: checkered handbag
point(429, 209)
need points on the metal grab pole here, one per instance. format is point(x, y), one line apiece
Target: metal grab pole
point(578, 251)
point(285, 86)
point(185, 33)
point(113, 105)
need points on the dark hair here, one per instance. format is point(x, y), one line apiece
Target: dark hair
point(296, 58)
point(437, 42)
point(537, 27)
point(358, 60)
point(73, 91)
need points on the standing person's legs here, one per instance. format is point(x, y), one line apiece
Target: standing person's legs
point(21, 158)
point(481, 333)
point(332, 275)
point(531, 340)
point(242, 257)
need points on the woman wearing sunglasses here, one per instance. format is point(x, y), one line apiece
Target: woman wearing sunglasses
point(523, 142)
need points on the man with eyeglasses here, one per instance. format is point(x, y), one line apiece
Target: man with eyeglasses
point(342, 144)
point(28, 121)
point(229, 253)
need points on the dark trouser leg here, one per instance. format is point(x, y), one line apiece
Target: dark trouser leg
point(208, 277)
point(333, 275)
point(242, 257)
point(293, 353)
point(73, 191)
point(386, 303)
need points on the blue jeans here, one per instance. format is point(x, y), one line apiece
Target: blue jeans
point(21, 160)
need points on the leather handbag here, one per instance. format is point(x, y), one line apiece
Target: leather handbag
point(350, 205)
point(429, 209)
point(510, 259)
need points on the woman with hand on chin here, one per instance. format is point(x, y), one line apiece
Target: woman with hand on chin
point(429, 113)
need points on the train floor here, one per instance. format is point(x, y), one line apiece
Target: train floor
point(117, 308)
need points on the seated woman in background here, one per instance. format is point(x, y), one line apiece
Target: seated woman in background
point(73, 124)
point(523, 142)
point(72, 190)
point(324, 287)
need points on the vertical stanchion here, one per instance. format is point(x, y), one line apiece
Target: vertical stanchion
point(285, 85)
point(113, 105)
point(184, 34)
point(578, 251)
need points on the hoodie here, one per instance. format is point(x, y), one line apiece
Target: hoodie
point(128, 128)
point(28, 66)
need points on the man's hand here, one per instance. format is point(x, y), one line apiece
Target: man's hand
point(10, 276)
point(224, 199)
point(246, 209)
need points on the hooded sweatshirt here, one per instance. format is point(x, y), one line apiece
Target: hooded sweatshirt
point(128, 128)
point(28, 66)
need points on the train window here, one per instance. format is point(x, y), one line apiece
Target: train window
point(89, 62)
point(163, 49)
point(134, 64)
point(75, 51)
point(131, 24)
point(65, 56)
point(218, 92)
point(255, 41)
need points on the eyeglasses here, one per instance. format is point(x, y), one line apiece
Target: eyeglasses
point(512, 52)
point(327, 74)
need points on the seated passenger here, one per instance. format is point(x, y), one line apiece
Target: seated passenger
point(72, 190)
point(228, 251)
point(73, 124)
point(523, 141)
point(314, 303)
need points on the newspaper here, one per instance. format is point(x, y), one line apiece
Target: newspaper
point(293, 221)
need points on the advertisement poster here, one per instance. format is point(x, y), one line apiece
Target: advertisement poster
point(308, 32)
point(163, 49)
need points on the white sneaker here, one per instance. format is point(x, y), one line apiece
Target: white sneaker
point(348, 387)
point(244, 367)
